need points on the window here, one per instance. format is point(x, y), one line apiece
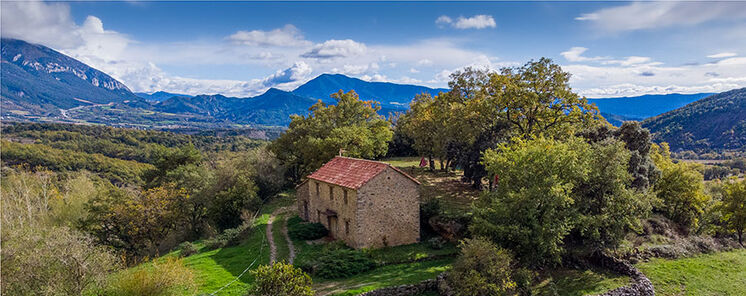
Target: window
point(317, 188)
point(347, 226)
point(318, 216)
point(345, 196)
point(331, 192)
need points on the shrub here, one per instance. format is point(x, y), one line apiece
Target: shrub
point(340, 263)
point(281, 279)
point(187, 249)
point(482, 269)
point(229, 237)
point(167, 277)
point(52, 261)
point(436, 243)
point(305, 230)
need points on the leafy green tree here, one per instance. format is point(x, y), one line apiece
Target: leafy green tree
point(531, 210)
point(536, 98)
point(281, 279)
point(553, 193)
point(680, 189)
point(135, 222)
point(734, 207)
point(352, 125)
point(482, 269)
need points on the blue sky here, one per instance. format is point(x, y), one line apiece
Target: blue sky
point(242, 48)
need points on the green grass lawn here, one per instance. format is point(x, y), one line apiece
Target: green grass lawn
point(412, 252)
point(386, 276)
point(215, 268)
point(711, 274)
point(578, 282)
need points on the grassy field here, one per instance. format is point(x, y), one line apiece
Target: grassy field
point(711, 274)
point(215, 268)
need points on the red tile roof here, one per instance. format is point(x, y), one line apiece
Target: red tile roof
point(351, 172)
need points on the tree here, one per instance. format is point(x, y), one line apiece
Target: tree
point(135, 222)
point(281, 279)
point(554, 193)
point(482, 269)
point(680, 189)
point(536, 98)
point(530, 212)
point(351, 125)
point(734, 207)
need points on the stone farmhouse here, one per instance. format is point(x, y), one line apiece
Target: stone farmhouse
point(365, 203)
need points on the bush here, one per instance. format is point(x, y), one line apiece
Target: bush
point(299, 230)
point(281, 279)
point(187, 249)
point(52, 261)
point(436, 243)
point(482, 269)
point(167, 277)
point(229, 237)
point(339, 263)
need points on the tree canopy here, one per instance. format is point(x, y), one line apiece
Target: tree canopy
point(351, 125)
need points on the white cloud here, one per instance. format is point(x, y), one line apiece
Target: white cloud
point(336, 49)
point(575, 54)
point(629, 61)
point(443, 20)
point(652, 15)
point(424, 62)
point(287, 36)
point(480, 21)
point(722, 55)
point(298, 72)
point(413, 71)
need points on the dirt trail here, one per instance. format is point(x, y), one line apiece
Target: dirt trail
point(291, 248)
point(270, 238)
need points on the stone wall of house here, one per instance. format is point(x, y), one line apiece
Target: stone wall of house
point(388, 211)
point(319, 201)
point(301, 194)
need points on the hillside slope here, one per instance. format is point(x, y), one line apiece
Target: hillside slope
point(714, 123)
point(39, 80)
point(641, 107)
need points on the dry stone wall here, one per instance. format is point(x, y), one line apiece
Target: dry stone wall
point(640, 286)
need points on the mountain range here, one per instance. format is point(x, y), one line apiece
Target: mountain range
point(41, 84)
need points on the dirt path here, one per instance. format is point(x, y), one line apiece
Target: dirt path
point(270, 239)
point(291, 248)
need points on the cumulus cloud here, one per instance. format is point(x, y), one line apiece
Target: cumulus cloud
point(652, 15)
point(287, 36)
point(722, 55)
point(336, 49)
point(298, 72)
point(480, 21)
point(575, 54)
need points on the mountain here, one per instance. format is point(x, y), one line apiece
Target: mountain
point(274, 107)
point(37, 80)
point(641, 107)
point(392, 94)
point(159, 96)
point(714, 123)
